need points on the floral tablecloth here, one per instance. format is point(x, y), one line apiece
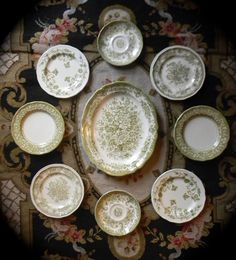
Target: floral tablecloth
point(77, 23)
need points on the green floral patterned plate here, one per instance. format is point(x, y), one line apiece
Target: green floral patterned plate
point(119, 128)
point(201, 133)
point(177, 72)
point(57, 190)
point(120, 42)
point(62, 71)
point(37, 127)
point(178, 195)
point(117, 213)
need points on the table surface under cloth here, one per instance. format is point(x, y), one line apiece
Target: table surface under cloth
point(77, 23)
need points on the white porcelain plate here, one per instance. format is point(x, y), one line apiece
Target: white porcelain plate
point(178, 195)
point(117, 213)
point(119, 128)
point(62, 71)
point(57, 190)
point(177, 72)
point(37, 127)
point(201, 133)
point(120, 42)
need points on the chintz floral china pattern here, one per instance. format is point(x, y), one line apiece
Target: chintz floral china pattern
point(18, 134)
point(221, 125)
point(119, 128)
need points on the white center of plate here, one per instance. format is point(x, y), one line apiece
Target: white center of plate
point(120, 43)
point(39, 128)
point(118, 212)
point(201, 133)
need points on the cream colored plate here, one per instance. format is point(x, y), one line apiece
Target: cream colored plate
point(37, 127)
point(178, 195)
point(201, 133)
point(120, 42)
point(177, 72)
point(57, 190)
point(62, 71)
point(117, 213)
point(119, 128)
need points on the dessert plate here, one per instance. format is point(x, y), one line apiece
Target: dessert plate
point(119, 128)
point(177, 72)
point(57, 190)
point(37, 127)
point(201, 133)
point(120, 42)
point(117, 213)
point(62, 71)
point(178, 195)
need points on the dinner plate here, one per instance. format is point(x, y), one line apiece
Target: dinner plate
point(62, 71)
point(57, 190)
point(177, 72)
point(117, 213)
point(37, 127)
point(119, 128)
point(178, 195)
point(120, 42)
point(201, 133)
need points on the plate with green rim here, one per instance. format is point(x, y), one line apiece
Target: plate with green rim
point(178, 195)
point(177, 72)
point(120, 42)
point(201, 133)
point(62, 71)
point(117, 213)
point(119, 128)
point(37, 127)
point(57, 190)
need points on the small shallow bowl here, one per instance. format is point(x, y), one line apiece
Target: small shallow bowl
point(120, 42)
point(117, 213)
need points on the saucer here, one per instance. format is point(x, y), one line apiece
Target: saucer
point(120, 42)
point(119, 128)
point(201, 133)
point(37, 127)
point(62, 71)
point(178, 195)
point(57, 190)
point(177, 72)
point(117, 213)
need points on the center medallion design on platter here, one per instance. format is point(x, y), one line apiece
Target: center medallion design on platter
point(117, 213)
point(119, 128)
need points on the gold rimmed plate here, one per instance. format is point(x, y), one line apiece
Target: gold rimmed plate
point(201, 133)
point(119, 128)
point(37, 127)
point(177, 72)
point(57, 190)
point(178, 195)
point(120, 42)
point(117, 213)
point(62, 71)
